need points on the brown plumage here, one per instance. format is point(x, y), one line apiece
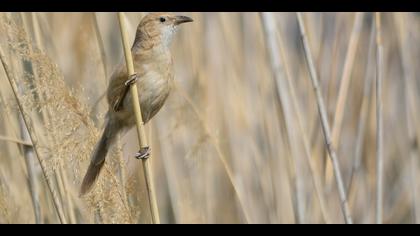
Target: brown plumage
point(154, 68)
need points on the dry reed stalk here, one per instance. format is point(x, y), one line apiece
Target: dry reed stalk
point(139, 122)
point(324, 122)
point(172, 182)
point(314, 171)
point(277, 152)
point(15, 140)
point(8, 203)
point(66, 193)
point(29, 126)
point(101, 46)
point(315, 174)
point(344, 87)
point(118, 144)
point(234, 92)
point(379, 121)
point(102, 54)
point(121, 193)
point(219, 152)
point(32, 178)
point(231, 34)
point(283, 100)
point(29, 162)
point(411, 113)
point(364, 111)
point(60, 176)
point(123, 174)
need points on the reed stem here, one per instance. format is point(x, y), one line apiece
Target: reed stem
point(139, 121)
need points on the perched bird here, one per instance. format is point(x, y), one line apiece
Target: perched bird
point(154, 75)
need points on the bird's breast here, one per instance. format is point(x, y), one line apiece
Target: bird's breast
point(153, 89)
point(154, 82)
point(153, 85)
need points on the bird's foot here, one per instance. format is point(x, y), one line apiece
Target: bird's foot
point(144, 153)
point(118, 105)
point(131, 80)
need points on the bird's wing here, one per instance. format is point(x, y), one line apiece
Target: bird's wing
point(117, 89)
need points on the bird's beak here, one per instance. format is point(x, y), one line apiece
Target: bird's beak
point(182, 19)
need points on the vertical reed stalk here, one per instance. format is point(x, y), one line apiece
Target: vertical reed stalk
point(364, 110)
point(220, 154)
point(139, 122)
point(379, 121)
point(283, 100)
point(324, 122)
point(344, 86)
point(32, 177)
point(411, 114)
point(100, 44)
point(118, 144)
point(315, 174)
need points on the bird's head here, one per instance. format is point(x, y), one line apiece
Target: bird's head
point(159, 27)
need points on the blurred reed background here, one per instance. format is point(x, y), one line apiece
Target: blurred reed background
point(239, 139)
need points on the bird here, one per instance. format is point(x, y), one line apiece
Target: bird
point(154, 75)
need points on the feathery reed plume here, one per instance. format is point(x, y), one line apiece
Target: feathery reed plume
point(58, 206)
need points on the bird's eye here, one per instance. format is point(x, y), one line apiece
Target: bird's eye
point(162, 19)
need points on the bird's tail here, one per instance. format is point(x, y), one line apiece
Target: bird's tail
point(98, 157)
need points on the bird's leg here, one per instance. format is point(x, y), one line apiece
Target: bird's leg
point(144, 153)
point(119, 103)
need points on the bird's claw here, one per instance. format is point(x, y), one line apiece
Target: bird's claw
point(143, 153)
point(118, 105)
point(131, 80)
